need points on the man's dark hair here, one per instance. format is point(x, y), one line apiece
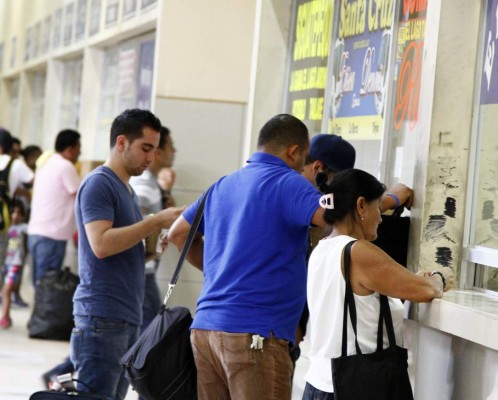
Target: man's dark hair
point(16, 141)
point(131, 123)
point(5, 141)
point(283, 130)
point(164, 133)
point(66, 138)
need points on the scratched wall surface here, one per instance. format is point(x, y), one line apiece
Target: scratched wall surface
point(443, 208)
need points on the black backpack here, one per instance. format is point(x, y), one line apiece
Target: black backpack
point(5, 197)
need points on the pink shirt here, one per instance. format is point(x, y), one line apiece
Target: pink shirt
point(52, 206)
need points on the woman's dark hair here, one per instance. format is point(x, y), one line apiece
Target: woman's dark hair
point(347, 186)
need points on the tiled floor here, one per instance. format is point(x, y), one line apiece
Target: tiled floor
point(23, 360)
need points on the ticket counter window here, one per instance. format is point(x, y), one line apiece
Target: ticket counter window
point(482, 250)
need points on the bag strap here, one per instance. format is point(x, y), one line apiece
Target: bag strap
point(349, 302)
point(193, 230)
point(386, 314)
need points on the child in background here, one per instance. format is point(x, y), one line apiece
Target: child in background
point(16, 252)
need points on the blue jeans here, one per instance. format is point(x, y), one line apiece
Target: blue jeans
point(312, 393)
point(46, 253)
point(97, 345)
point(152, 300)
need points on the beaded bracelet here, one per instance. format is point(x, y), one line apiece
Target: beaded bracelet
point(442, 277)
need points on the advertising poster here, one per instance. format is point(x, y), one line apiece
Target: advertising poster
point(111, 15)
point(411, 37)
point(95, 8)
point(68, 24)
point(47, 28)
point(308, 61)
point(129, 8)
point(360, 68)
point(489, 80)
point(13, 51)
point(80, 19)
point(57, 28)
point(145, 73)
point(28, 40)
point(36, 39)
point(126, 78)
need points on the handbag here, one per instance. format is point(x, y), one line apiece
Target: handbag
point(160, 365)
point(392, 236)
point(382, 375)
point(52, 316)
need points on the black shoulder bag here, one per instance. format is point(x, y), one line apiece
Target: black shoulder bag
point(392, 236)
point(382, 375)
point(160, 365)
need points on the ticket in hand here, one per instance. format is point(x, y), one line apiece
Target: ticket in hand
point(162, 236)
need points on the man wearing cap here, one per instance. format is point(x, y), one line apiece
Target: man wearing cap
point(330, 154)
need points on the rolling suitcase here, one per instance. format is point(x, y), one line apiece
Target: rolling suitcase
point(67, 395)
point(66, 391)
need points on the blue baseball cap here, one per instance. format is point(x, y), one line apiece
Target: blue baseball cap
point(336, 153)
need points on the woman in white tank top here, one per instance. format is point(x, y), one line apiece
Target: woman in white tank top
point(352, 205)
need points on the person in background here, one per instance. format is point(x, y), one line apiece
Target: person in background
point(23, 194)
point(107, 304)
point(352, 203)
point(166, 179)
point(150, 199)
point(52, 221)
point(15, 151)
point(18, 176)
point(30, 154)
point(16, 252)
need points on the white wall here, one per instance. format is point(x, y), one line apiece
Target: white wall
point(451, 368)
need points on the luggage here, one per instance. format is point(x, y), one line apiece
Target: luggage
point(69, 395)
point(160, 365)
point(66, 391)
point(52, 316)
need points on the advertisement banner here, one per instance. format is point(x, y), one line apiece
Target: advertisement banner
point(489, 80)
point(308, 61)
point(411, 37)
point(358, 78)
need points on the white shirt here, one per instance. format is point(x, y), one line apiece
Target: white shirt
point(19, 173)
point(326, 288)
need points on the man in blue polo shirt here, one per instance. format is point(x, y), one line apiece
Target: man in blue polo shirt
point(251, 246)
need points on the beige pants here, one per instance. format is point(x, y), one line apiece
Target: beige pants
point(228, 368)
